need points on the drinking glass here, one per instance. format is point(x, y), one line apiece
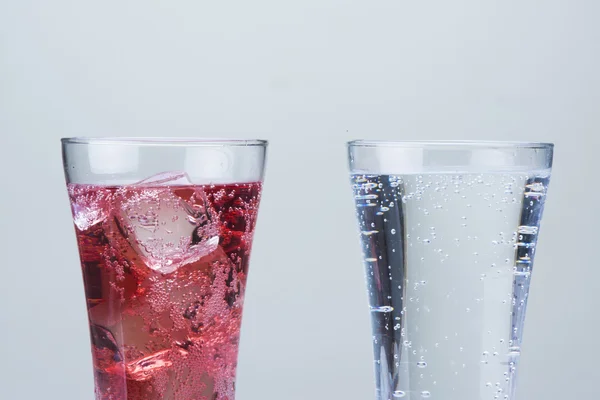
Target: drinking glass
point(448, 233)
point(164, 229)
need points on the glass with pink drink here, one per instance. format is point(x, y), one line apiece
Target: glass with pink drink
point(164, 229)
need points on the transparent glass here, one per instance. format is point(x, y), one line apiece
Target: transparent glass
point(164, 229)
point(448, 233)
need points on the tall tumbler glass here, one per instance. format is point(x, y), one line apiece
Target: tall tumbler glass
point(164, 228)
point(448, 232)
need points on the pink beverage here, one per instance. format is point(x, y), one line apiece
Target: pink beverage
point(164, 268)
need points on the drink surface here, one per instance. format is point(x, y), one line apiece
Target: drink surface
point(164, 267)
point(448, 261)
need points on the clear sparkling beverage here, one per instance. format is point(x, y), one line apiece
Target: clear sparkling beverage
point(448, 260)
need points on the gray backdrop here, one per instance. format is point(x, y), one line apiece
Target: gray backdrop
point(307, 75)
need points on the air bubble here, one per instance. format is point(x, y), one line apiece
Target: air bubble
point(425, 394)
point(383, 309)
point(421, 364)
point(399, 394)
point(369, 233)
point(366, 197)
point(527, 230)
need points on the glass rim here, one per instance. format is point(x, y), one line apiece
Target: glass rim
point(448, 144)
point(166, 141)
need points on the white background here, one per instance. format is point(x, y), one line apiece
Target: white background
point(307, 75)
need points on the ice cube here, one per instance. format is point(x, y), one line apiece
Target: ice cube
point(172, 310)
point(89, 205)
point(142, 369)
point(168, 227)
point(106, 350)
point(178, 338)
point(166, 178)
